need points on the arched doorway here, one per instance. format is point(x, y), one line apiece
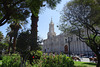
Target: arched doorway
point(66, 49)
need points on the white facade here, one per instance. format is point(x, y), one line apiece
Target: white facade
point(56, 44)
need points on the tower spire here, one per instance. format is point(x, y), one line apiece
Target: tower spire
point(51, 32)
point(51, 21)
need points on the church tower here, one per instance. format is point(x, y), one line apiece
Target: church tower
point(51, 32)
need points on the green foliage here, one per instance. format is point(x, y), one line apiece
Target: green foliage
point(23, 41)
point(79, 14)
point(35, 56)
point(11, 60)
point(97, 39)
point(20, 9)
point(38, 53)
point(1, 35)
point(91, 44)
point(0, 63)
point(40, 3)
point(13, 9)
point(55, 61)
point(52, 3)
point(1, 57)
point(4, 45)
point(34, 9)
point(84, 18)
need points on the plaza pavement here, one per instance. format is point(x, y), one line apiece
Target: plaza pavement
point(85, 60)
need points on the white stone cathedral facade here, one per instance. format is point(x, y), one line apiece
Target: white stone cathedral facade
point(59, 43)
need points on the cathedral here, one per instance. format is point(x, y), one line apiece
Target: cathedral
point(64, 43)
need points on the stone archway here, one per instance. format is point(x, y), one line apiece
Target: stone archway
point(66, 49)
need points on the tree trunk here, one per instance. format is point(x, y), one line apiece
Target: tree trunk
point(14, 44)
point(9, 45)
point(98, 64)
point(34, 20)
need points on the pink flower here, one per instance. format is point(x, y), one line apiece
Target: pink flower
point(44, 58)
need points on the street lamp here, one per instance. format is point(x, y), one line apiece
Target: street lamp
point(69, 40)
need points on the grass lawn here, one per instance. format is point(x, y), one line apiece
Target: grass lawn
point(0, 63)
point(84, 64)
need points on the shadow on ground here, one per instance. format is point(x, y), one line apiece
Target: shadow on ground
point(90, 63)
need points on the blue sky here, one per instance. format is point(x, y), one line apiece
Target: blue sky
point(44, 20)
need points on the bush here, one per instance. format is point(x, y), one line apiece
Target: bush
point(0, 57)
point(11, 61)
point(34, 56)
point(38, 54)
point(55, 61)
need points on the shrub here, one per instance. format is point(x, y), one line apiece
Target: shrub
point(38, 54)
point(34, 56)
point(11, 61)
point(0, 57)
point(55, 61)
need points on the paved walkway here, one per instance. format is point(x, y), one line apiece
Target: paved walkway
point(85, 60)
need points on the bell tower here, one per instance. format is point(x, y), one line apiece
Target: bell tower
point(51, 32)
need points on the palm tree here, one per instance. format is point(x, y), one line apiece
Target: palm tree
point(10, 43)
point(15, 26)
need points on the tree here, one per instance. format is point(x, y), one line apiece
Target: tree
point(98, 1)
point(24, 41)
point(10, 35)
point(23, 45)
point(3, 43)
point(15, 26)
point(34, 17)
point(18, 9)
point(83, 16)
point(13, 9)
point(1, 35)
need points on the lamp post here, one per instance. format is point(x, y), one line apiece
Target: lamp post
point(69, 40)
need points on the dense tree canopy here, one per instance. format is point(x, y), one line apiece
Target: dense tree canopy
point(3, 43)
point(12, 9)
point(20, 9)
point(81, 17)
point(23, 45)
point(23, 41)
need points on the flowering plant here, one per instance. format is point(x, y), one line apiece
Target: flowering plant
point(52, 60)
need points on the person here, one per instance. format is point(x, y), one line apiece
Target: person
point(81, 56)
